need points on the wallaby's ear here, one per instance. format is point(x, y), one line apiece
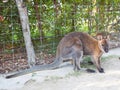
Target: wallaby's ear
point(108, 37)
point(99, 37)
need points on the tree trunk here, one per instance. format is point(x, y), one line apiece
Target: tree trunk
point(26, 32)
point(89, 20)
point(73, 13)
point(37, 12)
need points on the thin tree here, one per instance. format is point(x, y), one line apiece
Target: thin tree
point(73, 13)
point(38, 16)
point(26, 31)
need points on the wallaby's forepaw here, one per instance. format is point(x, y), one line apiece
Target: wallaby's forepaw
point(90, 70)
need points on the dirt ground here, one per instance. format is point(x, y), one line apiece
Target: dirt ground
point(66, 79)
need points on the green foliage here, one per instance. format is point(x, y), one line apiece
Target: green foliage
point(75, 73)
point(67, 16)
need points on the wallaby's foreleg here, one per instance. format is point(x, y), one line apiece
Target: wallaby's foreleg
point(101, 70)
point(96, 61)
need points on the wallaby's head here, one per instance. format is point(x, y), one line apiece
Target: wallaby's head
point(103, 42)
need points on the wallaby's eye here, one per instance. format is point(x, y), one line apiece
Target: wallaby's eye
point(102, 44)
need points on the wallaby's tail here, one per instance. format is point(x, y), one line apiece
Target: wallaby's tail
point(53, 65)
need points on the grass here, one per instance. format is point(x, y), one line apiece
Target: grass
point(87, 59)
point(54, 78)
point(34, 74)
point(75, 73)
point(109, 57)
point(85, 63)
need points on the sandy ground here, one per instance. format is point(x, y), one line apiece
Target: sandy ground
point(66, 79)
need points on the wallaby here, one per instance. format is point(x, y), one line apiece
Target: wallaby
point(73, 46)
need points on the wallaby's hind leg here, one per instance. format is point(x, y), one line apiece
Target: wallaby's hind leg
point(77, 57)
point(74, 65)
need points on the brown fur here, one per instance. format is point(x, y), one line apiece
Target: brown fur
point(82, 42)
point(73, 46)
